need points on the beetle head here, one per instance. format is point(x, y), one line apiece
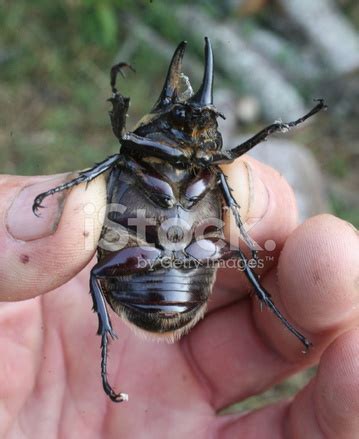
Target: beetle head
point(191, 121)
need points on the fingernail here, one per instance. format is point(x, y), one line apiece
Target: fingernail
point(23, 224)
point(258, 197)
point(250, 193)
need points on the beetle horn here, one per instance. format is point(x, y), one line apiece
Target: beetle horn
point(169, 90)
point(204, 95)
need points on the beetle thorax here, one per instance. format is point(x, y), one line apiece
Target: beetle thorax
point(183, 126)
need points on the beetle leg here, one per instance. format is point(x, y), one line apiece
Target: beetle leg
point(135, 145)
point(209, 249)
point(119, 102)
point(127, 260)
point(155, 186)
point(237, 151)
point(233, 205)
point(215, 250)
point(84, 177)
point(265, 298)
point(104, 330)
point(118, 113)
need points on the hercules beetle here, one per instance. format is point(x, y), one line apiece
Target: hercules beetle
point(168, 166)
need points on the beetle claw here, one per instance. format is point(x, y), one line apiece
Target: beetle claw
point(119, 397)
point(115, 397)
point(118, 68)
point(307, 344)
point(36, 206)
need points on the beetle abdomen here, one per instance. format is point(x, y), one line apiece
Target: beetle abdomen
point(168, 300)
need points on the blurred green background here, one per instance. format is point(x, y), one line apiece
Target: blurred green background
point(55, 59)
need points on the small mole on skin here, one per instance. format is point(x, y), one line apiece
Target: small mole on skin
point(24, 259)
point(86, 233)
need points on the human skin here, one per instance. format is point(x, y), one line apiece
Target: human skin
point(50, 383)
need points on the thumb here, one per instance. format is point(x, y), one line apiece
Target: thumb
point(267, 203)
point(40, 254)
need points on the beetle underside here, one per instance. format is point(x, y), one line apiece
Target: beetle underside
point(168, 172)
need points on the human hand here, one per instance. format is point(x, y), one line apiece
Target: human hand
point(50, 383)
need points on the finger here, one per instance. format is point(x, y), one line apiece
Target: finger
point(268, 210)
point(267, 423)
point(330, 403)
point(267, 203)
point(238, 353)
point(318, 277)
point(327, 407)
point(39, 254)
